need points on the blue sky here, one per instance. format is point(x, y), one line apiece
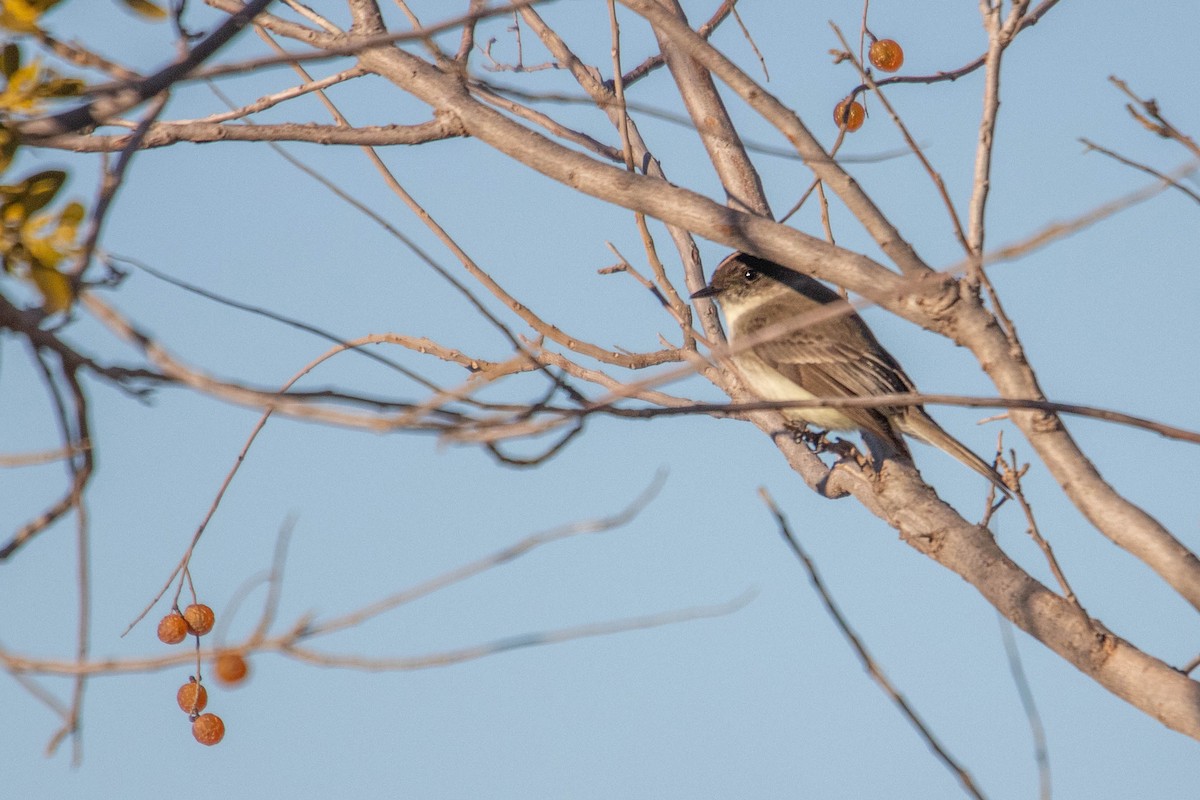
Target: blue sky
point(768, 701)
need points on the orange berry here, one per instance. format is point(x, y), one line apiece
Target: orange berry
point(208, 729)
point(230, 668)
point(849, 114)
point(192, 697)
point(887, 54)
point(200, 618)
point(172, 629)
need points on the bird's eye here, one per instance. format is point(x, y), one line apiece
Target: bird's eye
point(750, 275)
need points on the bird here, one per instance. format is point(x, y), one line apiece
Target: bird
point(830, 358)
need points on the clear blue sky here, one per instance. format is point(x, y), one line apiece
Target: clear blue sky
point(765, 702)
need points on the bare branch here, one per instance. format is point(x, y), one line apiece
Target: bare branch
point(1041, 754)
point(117, 102)
point(1129, 162)
point(34, 459)
point(164, 134)
point(864, 656)
point(743, 189)
point(1025, 21)
point(879, 401)
point(1152, 119)
point(869, 215)
point(516, 642)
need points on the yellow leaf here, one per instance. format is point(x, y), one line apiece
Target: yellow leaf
point(22, 15)
point(12, 214)
point(28, 85)
point(68, 221)
point(26, 198)
point(47, 240)
point(19, 17)
point(41, 251)
point(146, 9)
point(20, 93)
point(54, 286)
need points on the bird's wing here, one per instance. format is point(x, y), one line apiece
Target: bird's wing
point(820, 360)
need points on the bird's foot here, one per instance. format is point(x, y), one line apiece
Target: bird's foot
point(817, 441)
point(820, 442)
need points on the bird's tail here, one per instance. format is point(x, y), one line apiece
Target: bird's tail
point(919, 425)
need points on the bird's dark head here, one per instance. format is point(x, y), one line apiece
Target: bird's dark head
point(742, 279)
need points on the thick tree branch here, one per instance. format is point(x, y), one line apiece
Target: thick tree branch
point(743, 189)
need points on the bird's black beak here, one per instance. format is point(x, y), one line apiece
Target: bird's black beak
point(707, 291)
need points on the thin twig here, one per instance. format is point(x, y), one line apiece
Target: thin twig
point(164, 134)
point(270, 609)
point(888, 400)
point(266, 313)
point(271, 100)
point(911, 141)
point(225, 484)
point(681, 120)
point(306, 628)
point(1027, 21)
point(750, 39)
point(864, 656)
point(514, 551)
point(1129, 162)
point(313, 16)
point(74, 430)
point(1047, 551)
point(110, 183)
point(35, 459)
point(999, 37)
point(101, 109)
point(506, 644)
point(83, 569)
point(612, 99)
point(1152, 119)
point(343, 45)
point(1041, 754)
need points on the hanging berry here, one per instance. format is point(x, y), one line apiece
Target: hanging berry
point(192, 697)
point(849, 114)
point(230, 668)
point(887, 55)
point(208, 729)
point(199, 618)
point(172, 629)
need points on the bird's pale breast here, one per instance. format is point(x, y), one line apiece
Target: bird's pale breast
point(769, 384)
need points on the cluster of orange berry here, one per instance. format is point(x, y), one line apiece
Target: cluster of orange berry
point(230, 669)
point(886, 55)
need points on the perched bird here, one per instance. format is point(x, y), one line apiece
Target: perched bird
point(830, 358)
